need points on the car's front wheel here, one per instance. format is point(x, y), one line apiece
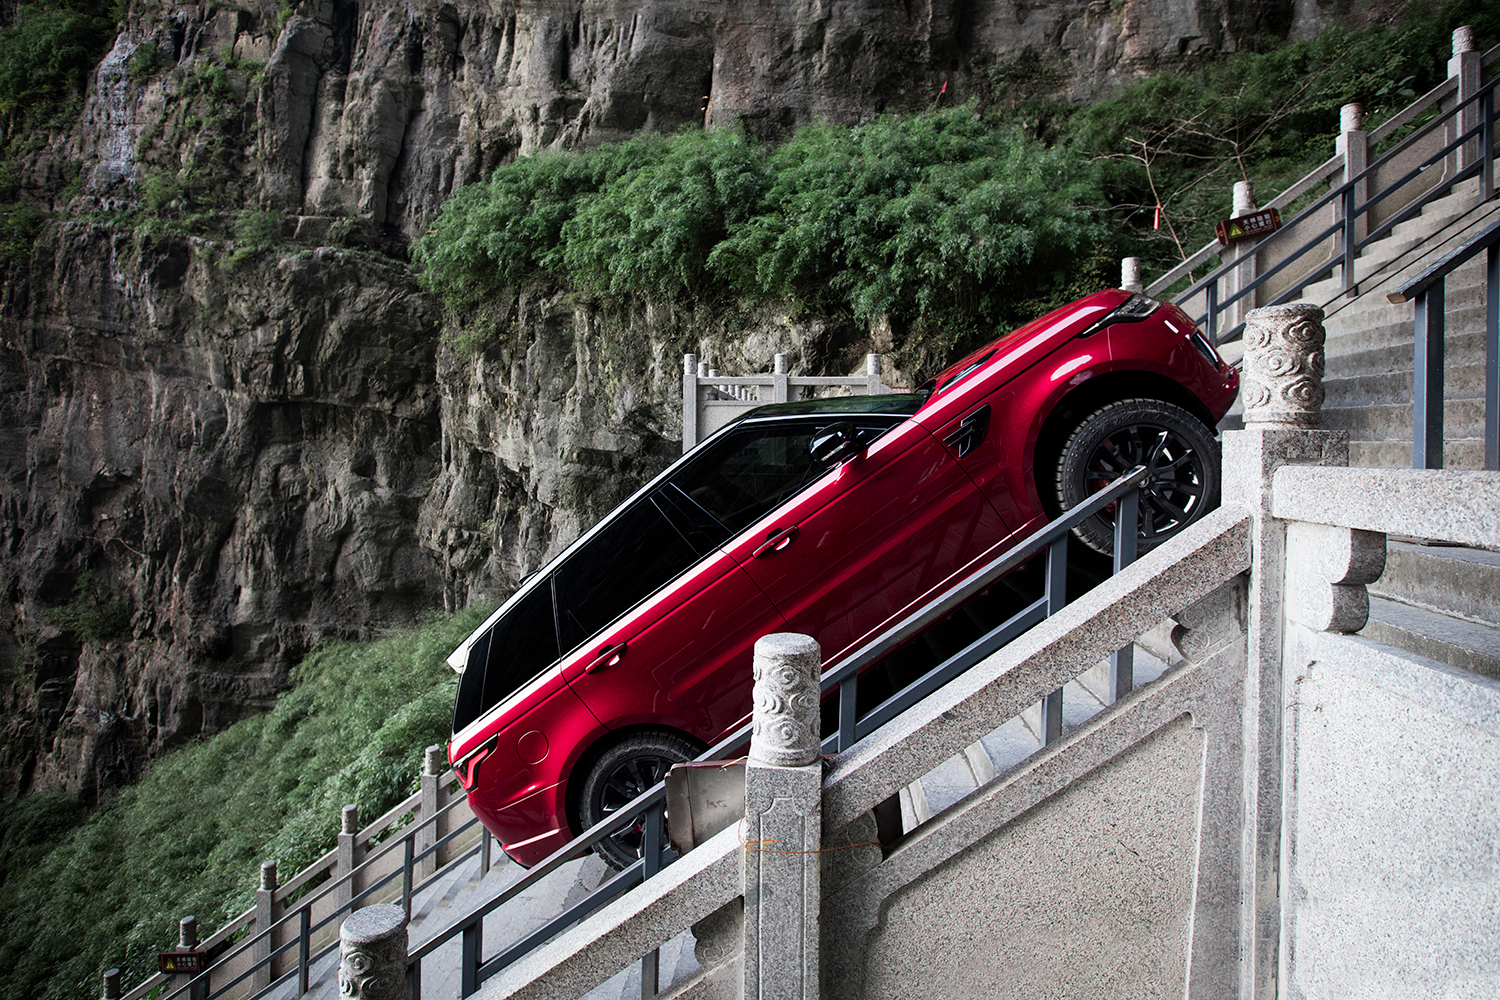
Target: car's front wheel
point(627, 769)
point(1179, 450)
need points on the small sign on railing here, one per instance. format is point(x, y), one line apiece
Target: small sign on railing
point(1262, 223)
point(188, 963)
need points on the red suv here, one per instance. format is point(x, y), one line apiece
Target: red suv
point(631, 650)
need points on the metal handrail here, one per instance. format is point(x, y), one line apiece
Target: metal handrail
point(1427, 291)
point(1053, 538)
point(1320, 173)
point(301, 912)
point(1488, 237)
point(1482, 98)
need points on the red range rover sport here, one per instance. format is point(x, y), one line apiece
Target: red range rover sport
point(631, 650)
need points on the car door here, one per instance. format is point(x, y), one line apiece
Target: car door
point(660, 623)
point(864, 542)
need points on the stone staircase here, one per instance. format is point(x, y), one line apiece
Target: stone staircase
point(1437, 601)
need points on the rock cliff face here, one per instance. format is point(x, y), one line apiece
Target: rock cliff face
point(214, 452)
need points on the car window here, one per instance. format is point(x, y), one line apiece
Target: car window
point(755, 469)
point(633, 554)
point(519, 646)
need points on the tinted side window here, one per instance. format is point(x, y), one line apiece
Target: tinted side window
point(633, 555)
point(518, 647)
point(756, 469)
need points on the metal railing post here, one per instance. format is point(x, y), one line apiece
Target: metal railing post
point(848, 723)
point(407, 864)
point(468, 973)
point(1211, 320)
point(651, 843)
point(1427, 380)
point(1351, 240)
point(1487, 145)
point(1127, 535)
point(1492, 359)
point(304, 948)
point(1057, 598)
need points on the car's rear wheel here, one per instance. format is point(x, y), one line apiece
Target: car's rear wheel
point(625, 770)
point(1180, 451)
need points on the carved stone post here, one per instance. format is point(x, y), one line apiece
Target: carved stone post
point(1353, 144)
point(1282, 388)
point(1465, 66)
point(779, 374)
point(267, 911)
point(1283, 374)
point(433, 762)
point(689, 402)
point(112, 985)
point(1244, 204)
point(372, 954)
point(347, 858)
point(1130, 274)
point(187, 940)
point(783, 822)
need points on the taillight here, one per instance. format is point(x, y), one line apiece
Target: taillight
point(468, 767)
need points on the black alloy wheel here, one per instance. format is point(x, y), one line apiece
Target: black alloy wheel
point(627, 769)
point(1179, 451)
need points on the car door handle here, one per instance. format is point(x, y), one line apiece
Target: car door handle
point(775, 542)
point(608, 657)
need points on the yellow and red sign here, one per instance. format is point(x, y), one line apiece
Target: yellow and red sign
point(1246, 227)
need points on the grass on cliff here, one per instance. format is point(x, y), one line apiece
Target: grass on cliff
point(84, 891)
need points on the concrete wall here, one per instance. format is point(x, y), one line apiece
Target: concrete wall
point(1104, 866)
point(1392, 824)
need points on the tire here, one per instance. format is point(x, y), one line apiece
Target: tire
point(1180, 450)
point(626, 770)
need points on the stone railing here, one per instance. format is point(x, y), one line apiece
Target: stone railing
point(711, 400)
point(366, 866)
point(1199, 836)
point(1373, 187)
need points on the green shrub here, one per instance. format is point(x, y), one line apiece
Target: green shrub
point(1181, 140)
point(91, 614)
point(937, 219)
point(46, 55)
point(144, 62)
point(81, 892)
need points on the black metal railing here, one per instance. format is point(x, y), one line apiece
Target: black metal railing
point(1347, 227)
point(218, 981)
point(1427, 292)
point(1050, 542)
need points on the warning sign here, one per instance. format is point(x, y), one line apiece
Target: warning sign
point(180, 962)
point(1246, 227)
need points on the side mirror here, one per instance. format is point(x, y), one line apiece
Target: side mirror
point(834, 443)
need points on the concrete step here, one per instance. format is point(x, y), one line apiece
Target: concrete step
point(1453, 580)
point(1454, 641)
point(1460, 382)
point(1462, 419)
point(1395, 260)
point(1458, 349)
point(1395, 324)
point(1463, 455)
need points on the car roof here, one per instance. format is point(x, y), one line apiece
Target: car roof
point(894, 402)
